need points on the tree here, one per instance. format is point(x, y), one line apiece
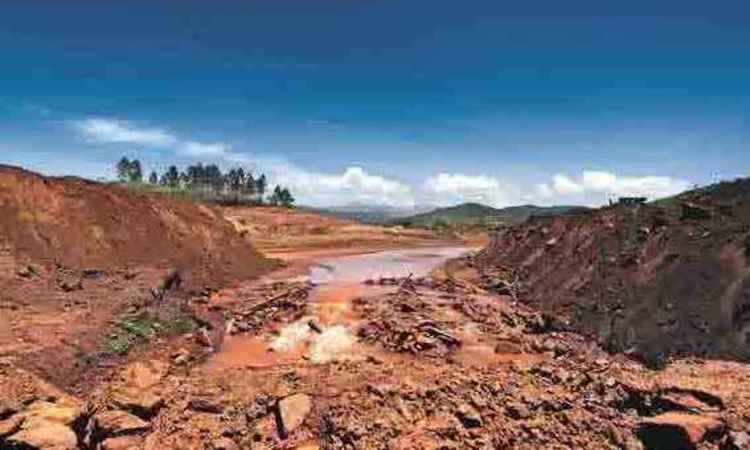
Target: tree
point(184, 180)
point(135, 174)
point(129, 171)
point(213, 177)
point(171, 178)
point(287, 200)
point(276, 197)
point(235, 180)
point(260, 187)
point(153, 178)
point(250, 184)
point(123, 169)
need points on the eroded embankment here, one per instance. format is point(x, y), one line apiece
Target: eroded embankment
point(75, 255)
point(80, 224)
point(670, 278)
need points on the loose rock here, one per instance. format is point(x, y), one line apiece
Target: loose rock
point(291, 413)
point(675, 430)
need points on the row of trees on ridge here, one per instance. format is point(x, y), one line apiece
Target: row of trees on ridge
point(207, 182)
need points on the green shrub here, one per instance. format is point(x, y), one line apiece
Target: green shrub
point(140, 328)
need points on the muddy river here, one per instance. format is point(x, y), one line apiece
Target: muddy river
point(339, 280)
point(391, 263)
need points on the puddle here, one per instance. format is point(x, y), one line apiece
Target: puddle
point(251, 353)
point(340, 280)
point(391, 263)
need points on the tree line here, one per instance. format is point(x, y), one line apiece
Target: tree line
point(208, 182)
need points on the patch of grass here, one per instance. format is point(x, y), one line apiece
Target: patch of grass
point(140, 328)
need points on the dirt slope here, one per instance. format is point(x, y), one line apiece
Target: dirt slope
point(292, 234)
point(75, 254)
point(654, 280)
point(84, 225)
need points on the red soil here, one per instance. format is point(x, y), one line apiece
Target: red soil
point(653, 280)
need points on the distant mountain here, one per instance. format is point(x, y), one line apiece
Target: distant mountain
point(368, 213)
point(475, 214)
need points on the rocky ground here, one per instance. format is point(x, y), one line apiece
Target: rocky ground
point(105, 345)
point(436, 364)
point(659, 279)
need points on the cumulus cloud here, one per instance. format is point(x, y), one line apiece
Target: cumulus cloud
point(356, 185)
point(607, 183)
point(198, 149)
point(565, 186)
point(113, 131)
point(110, 131)
point(451, 188)
point(353, 185)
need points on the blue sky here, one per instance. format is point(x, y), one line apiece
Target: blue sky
point(386, 102)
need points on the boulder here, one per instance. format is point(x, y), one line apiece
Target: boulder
point(117, 423)
point(122, 443)
point(469, 416)
point(144, 375)
point(504, 347)
point(47, 425)
point(677, 430)
point(45, 435)
point(291, 413)
point(688, 401)
point(518, 411)
point(10, 425)
point(205, 405)
point(138, 393)
point(42, 411)
point(142, 403)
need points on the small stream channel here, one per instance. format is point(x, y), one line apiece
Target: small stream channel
point(339, 280)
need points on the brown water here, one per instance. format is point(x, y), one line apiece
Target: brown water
point(340, 280)
point(391, 263)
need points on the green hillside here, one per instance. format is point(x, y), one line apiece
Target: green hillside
point(478, 215)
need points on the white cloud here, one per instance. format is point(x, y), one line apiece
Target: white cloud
point(544, 191)
point(110, 131)
point(599, 182)
point(354, 185)
point(447, 188)
point(193, 148)
point(565, 186)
